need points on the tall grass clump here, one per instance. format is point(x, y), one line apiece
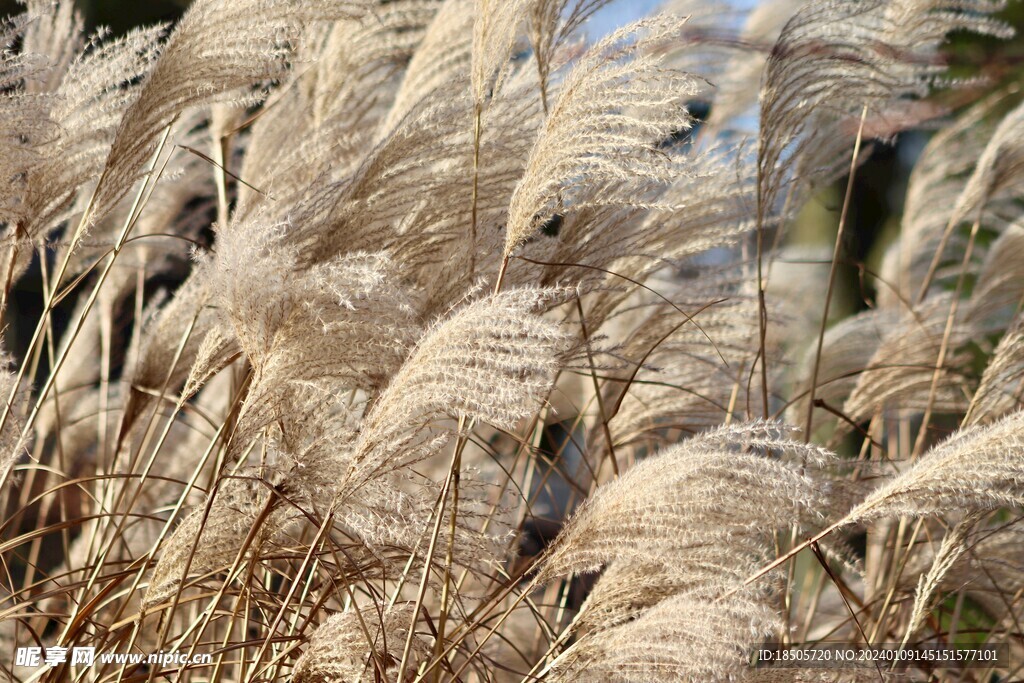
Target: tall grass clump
point(437, 340)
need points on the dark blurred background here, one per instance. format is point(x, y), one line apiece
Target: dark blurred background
point(119, 15)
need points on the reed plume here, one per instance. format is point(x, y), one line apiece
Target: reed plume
point(444, 340)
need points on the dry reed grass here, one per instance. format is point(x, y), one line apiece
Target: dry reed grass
point(424, 237)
